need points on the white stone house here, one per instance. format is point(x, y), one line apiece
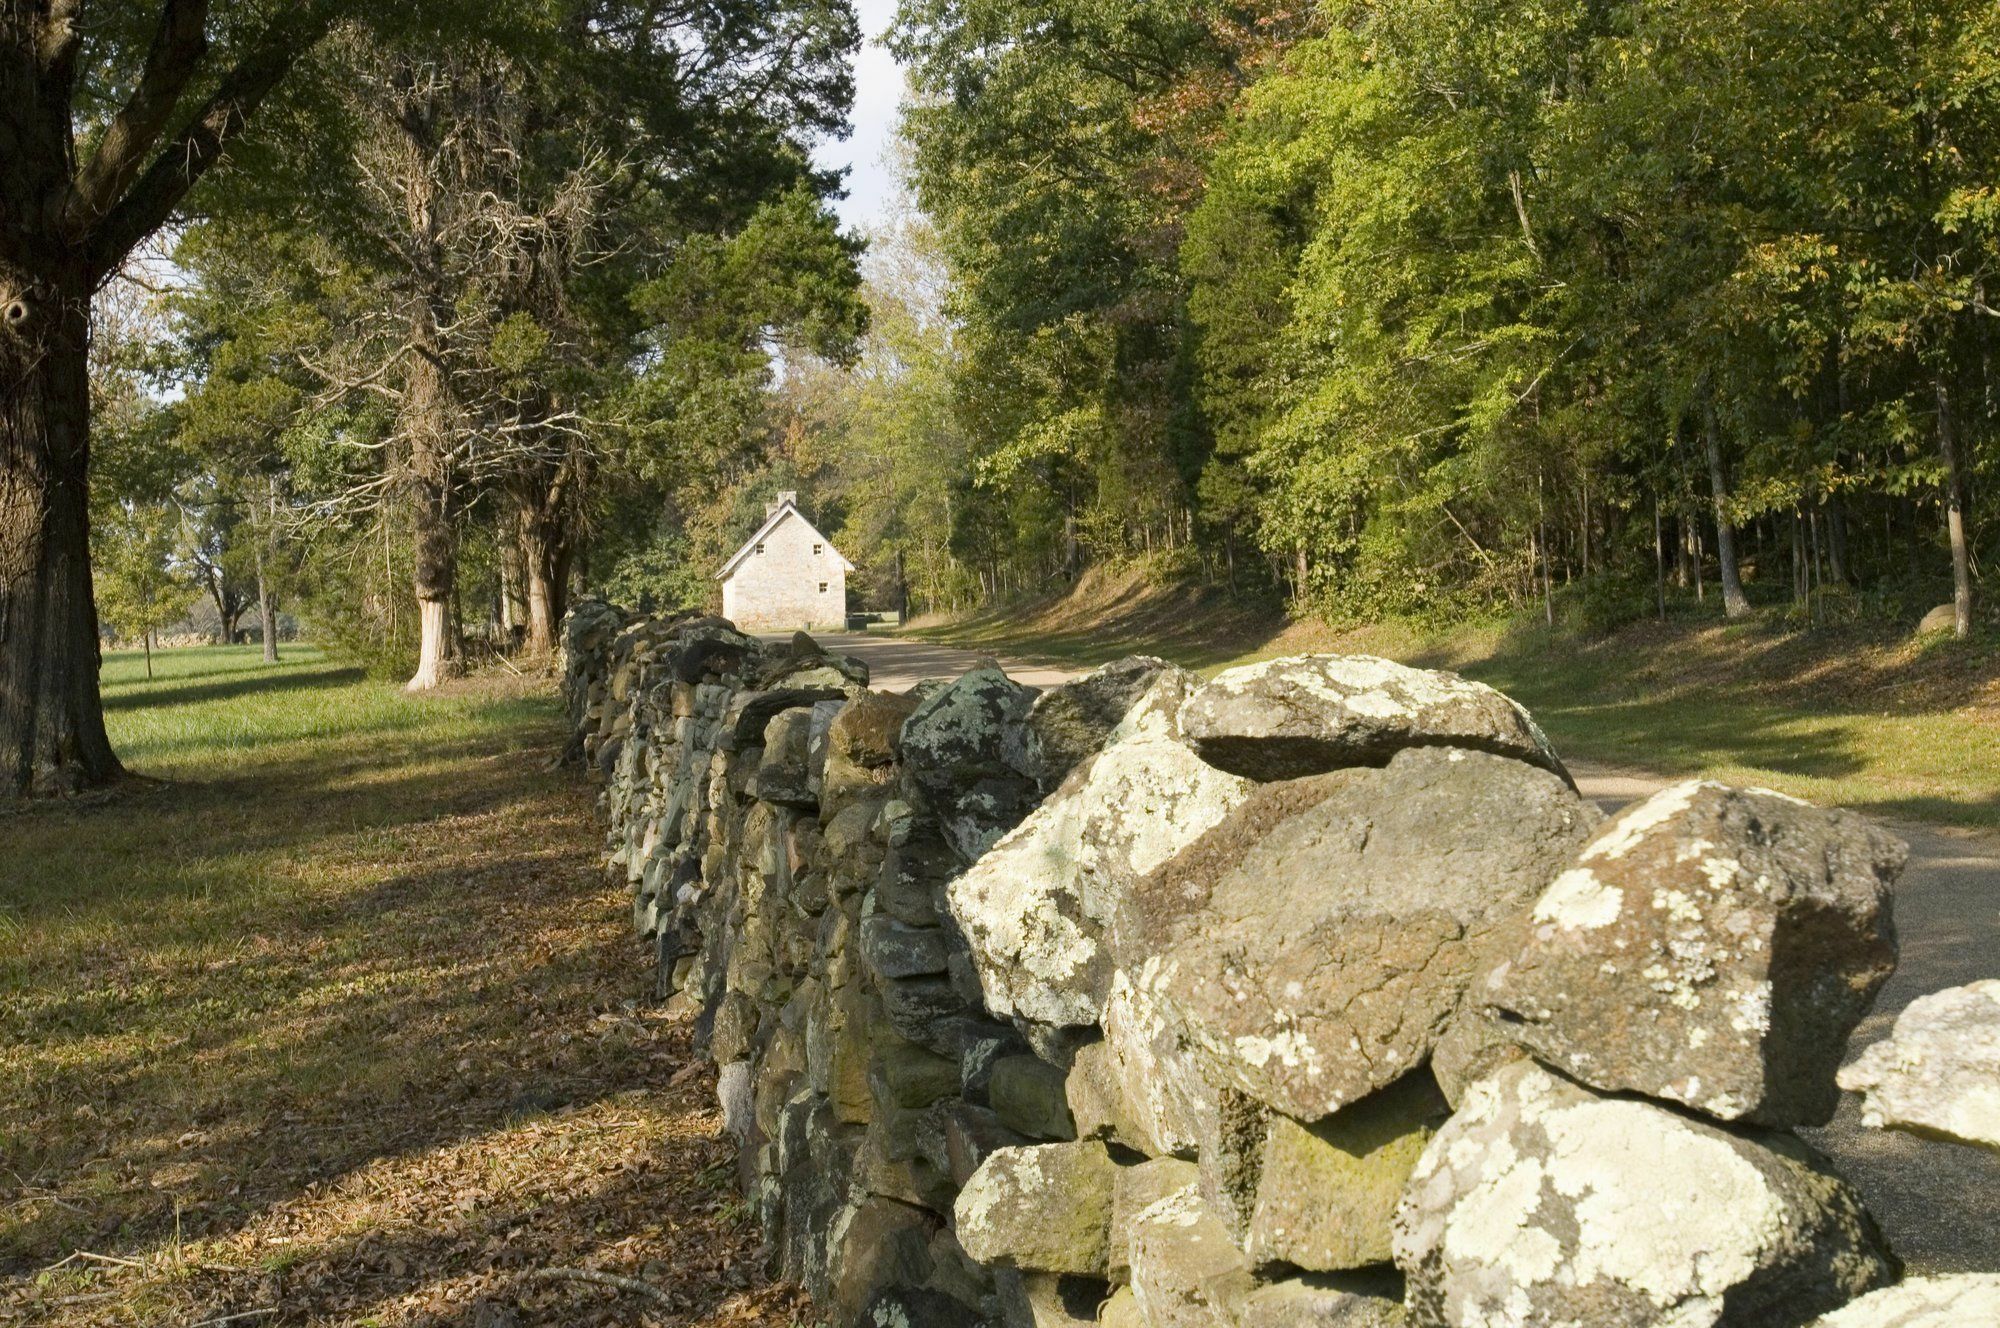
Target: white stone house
point(787, 576)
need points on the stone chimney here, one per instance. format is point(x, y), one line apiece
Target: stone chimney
point(784, 496)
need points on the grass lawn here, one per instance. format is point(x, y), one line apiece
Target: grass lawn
point(334, 1019)
point(1859, 717)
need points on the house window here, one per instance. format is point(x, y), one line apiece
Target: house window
point(816, 550)
point(760, 548)
point(822, 587)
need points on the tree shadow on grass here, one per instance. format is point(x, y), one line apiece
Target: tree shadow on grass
point(468, 1258)
point(238, 684)
point(193, 1093)
point(226, 992)
point(192, 836)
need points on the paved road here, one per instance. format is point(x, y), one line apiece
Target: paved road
point(1938, 1202)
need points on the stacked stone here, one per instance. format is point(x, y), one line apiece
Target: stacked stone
point(1310, 995)
point(1376, 1023)
point(586, 664)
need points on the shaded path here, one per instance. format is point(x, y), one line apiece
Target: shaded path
point(1938, 1202)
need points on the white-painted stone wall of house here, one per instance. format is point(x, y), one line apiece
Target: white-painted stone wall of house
point(796, 582)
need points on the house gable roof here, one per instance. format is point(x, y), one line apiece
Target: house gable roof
point(771, 523)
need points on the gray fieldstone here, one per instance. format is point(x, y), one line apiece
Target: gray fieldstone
point(958, 1275)
point(913, 1307)
point(736, 1095)
point(1326, 1194)
point(953, 748)
point(1314, 960)
point(1541, 1202)
point(1474, 1046)
point(1307, 714)
point(1046, 1207)
point(897, 950)
point(923, 1010)
point(1035, 908)
point(1711, 946)
point(863, 745)
point(1030, 1095)
point(783, 772)
point(874, 1243)
point(1068, 724)
point(1137, 1188)
point(1965, 1300)
point(1164, 1093)
point(1368, 1299)
point(1048, 1300)
point(969, 1135)
point(1121, 1311)
point(904, 1074)
point(1938, 1073)
point(1097, 1098)
point(1186, 1271)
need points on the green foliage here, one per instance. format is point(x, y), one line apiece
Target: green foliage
point(1437, 305)
point(138, 590)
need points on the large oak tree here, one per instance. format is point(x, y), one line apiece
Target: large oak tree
point(110, 114)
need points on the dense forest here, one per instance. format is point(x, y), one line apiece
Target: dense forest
point(409, 321)
point(1463, 305)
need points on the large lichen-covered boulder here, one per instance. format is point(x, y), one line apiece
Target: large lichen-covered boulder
point(1306, 714)
point(1314, 961)
point(1035, 908)
point(955, 746)
point(1966, 1300)
point(1711, 946)
point(1938, 1073)
point(1045, 1207)
point(1541, 1202)
point(1068, 724)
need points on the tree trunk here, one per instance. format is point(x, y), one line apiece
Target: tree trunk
point(513, 603)
point(1838, 561)
point(429, 425)
point(267, 609)
point(213, 581)
point(1734, 605)
point(1954, 507)
point(543, 537)
point(267, 605)
point(902, 589)
point(436, 576)
point(1659, 562)
point(267, 615)
point(52, 738)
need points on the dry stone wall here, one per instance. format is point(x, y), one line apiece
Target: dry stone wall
point(1310, 995)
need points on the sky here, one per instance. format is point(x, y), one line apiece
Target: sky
point(878, 90)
